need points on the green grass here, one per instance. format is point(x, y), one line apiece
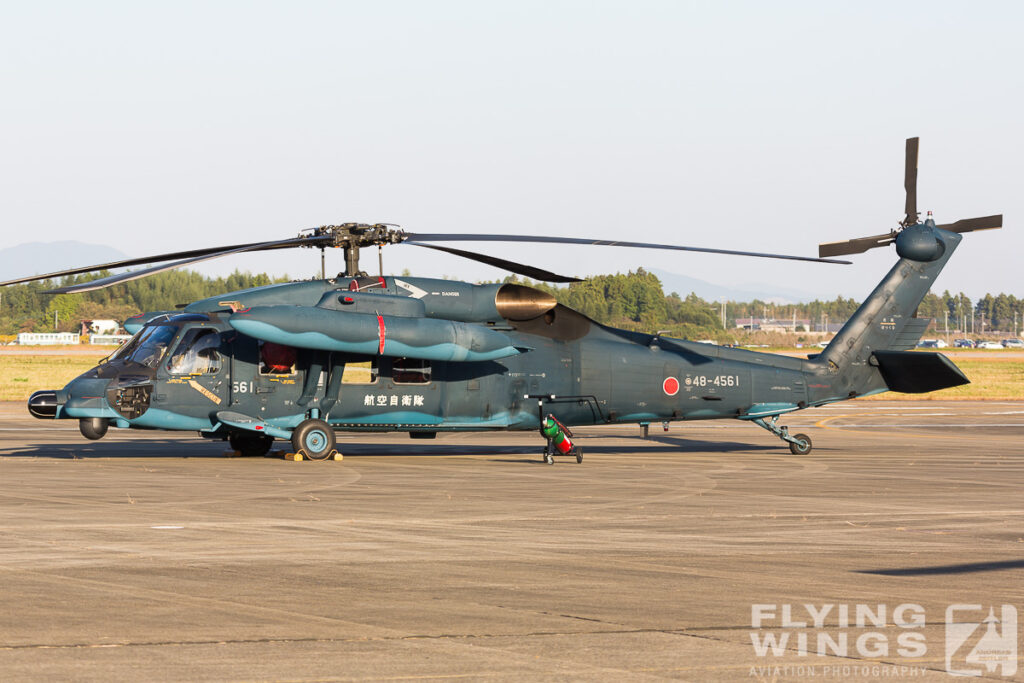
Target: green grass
point(20, 376)
point(991, 380)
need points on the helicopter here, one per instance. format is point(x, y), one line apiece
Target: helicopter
point(361, 353)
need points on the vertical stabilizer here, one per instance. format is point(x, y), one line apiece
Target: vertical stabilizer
point(885, 321)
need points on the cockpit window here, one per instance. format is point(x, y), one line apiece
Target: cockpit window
point(127, 347)
point(148, 346)
point(197, 353)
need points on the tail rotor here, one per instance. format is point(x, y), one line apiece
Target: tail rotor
point(911, 218)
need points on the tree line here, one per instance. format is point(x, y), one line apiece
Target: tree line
point(26, 308)
point(634, 300)
point(991, 312)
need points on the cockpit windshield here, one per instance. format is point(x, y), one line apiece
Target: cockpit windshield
point(148, 346)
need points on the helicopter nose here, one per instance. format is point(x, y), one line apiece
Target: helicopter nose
point(43, 404)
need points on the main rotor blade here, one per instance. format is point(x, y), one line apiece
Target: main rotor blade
point(413, 238)
point(857, 246)
point(972, 224)
point(251, 246)
point(511, 266)
point(146, 272)
point(910, 181)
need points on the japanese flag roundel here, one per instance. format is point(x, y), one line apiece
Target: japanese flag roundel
point(671, 386)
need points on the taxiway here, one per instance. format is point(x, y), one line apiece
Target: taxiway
point(150, 556)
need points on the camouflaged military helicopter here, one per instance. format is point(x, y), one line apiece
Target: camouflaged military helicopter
point(363, 353)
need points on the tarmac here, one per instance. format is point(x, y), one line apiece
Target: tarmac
point(151, 556)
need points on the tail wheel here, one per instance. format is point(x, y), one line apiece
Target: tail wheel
point(802, 448)
point(314, 439)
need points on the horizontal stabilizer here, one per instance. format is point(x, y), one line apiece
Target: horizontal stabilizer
point(912, 372)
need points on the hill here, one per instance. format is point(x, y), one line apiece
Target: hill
point(34, 258)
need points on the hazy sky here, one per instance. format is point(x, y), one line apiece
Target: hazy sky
point(760, 126)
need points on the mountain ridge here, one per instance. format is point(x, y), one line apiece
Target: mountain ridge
point(37, 258)
point(709, 291)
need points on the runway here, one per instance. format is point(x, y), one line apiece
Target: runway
point(150, 556)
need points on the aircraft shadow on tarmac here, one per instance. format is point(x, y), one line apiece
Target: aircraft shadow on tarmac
point(157, 448)
point(675, 444)
point(172, 448)
point(968, 568)
point(659, 446)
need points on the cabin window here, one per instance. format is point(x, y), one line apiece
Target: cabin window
point(197, 353)
point(410, 371)
point(365, 372)
point(277, 359)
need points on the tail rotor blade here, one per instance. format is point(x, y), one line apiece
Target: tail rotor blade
point(857, 246)
point(910, 181)
point(972, 224)
point(862, 244)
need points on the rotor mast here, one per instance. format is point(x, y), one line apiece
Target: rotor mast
point(352, 260)
point(350, 237)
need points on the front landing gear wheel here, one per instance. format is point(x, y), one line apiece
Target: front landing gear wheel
point(314, 439)
point(802, 448)
point(251, 445)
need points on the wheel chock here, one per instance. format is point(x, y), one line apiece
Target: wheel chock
point(297, 457)
point(232, 454)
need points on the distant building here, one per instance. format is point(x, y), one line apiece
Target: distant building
point(46, 338)
point(771, 324)
point(109, 339)
point(790, 325)
point(100, 327)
